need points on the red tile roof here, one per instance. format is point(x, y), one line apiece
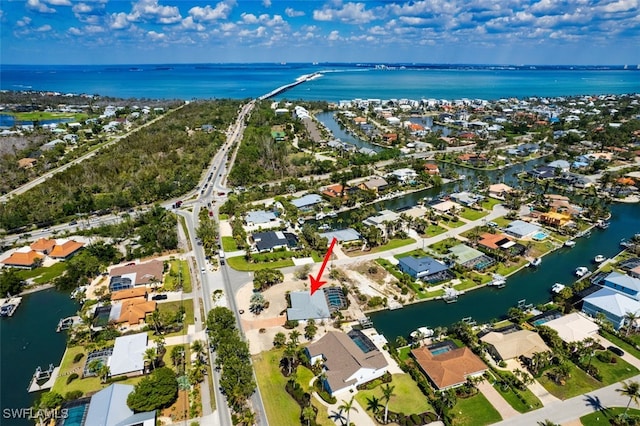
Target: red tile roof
point(66, 249)
point(450, 368)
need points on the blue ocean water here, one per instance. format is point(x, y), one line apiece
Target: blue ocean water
point(338, 81)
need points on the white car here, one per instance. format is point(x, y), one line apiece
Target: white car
point(203, 270)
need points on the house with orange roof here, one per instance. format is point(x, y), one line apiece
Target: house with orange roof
point(431, 169)
point(625, 181)
point(359, 120)
point(473, 158)
point(129, 293)
point(24, 258)
point(390, 137)
point(555, 218)
point(63, 250)
point(43, 245)
point(449, 369)
point(499, 190)
point(27, 163)
point(132, 311)
point(335, 191)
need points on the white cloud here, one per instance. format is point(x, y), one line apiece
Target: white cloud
point(44, 28)
point(333, 36)
point(36, 6)
point(207, 13)
point(266, 3)
point(249, 18)
point(155, 36)
point(354, 13)
point(59, 2)
point(292, 13)
point(24, 22)
point(75, 31)
point(228, 26)
point(82, 8)
point(150, 10)
point(189, 24)
point(119, 21)
point(93, 29)
point(619, 6)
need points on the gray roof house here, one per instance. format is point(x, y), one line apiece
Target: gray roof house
point(260, 217)
point(467, 198)
point(108, 407)
point(425, 268)
point(612, 304)
point(346, 363)
point(622, 283)
point(306, 202)
point(128, 354)
point(304, 306)
point(521, 229)
point(342, 235)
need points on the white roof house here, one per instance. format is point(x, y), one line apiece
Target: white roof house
point(522, 229)
point(260, 217)
point(108, 407)
point(404, 175)
point(342, 235)
point(305, 306)
point(574, 327)
point(306, 201)
point(128, 354)
point(612, 304)
point(622, 283)
point(381, 217)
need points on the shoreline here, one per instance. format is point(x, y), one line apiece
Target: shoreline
point(36, 289)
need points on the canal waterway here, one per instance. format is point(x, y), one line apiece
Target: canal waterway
point(531, 285)
point(28, 339)
point(328, 119)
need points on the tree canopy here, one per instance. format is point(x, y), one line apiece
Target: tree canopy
point(159, 390)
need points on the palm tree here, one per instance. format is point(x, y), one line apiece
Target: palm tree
point(387, 393)
point(104, 373)
point(630, 319)
point(198, 348)
point(374, 405)
point(177, 355)
point(150, 356)
point(632, 390)
point(294, 337)
point(348, 407)
point(308, 414)
point(548, 422)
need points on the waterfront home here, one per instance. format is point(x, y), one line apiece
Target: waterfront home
point(562, 165)
point(614, 305)
point(451, 368)
point(305, 306)
point(473, 159)
point(347, 364)
point(499, 190)
point(131, 311)
point(129, 293)
point(108, 407)
point(274, 240)
point(521, 229)
point(500, 242)
point(574, 327)
point(390, 138)
point(622, 283)
point(446, 207)
point(375, 184)
point(542, 172)
point(139, 273)
point(470, 258)
point(306, 202)
point(23, 258)
point(466, 198)
point(337, 191)
point(380, 219)
point(555, 218)
point(507, 344)
point(127, 357)
point(65, 249)
point(346, 235)
point(424, 268)
point(261, 218)
point(404, 176)
point(431, 169)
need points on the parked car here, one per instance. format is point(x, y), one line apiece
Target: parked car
point(616, 350)
point(159, 297)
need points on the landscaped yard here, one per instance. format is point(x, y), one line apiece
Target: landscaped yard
point(579, 383)
point(601, 417)
point(531, 402)
point(505, 270)
point(229, 244)
point(173, 307)
point(433, 230)
point(488, 203)
point(408, 398)
point(621, 343)
point(177, 276)
point(471, 214)
point(239, 263)
point(443, 246)
point(392, 244)
point(452, 223)
point(613, 373)
point(281, 408)
point(474, 411)
point(43, 275)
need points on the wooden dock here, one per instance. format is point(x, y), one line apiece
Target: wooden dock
point(49, 375)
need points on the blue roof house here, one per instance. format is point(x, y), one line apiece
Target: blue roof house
point(623, 283)
point(612, 304)
point(108, 407)
point(425, 268)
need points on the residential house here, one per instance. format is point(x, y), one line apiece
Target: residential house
point(500, 242)
point(470, 257)
point(614, 305)
point(131, 310)
point(261, 218)
point(473, 158)
point(139, 273)
point(511, 344)
point(383, 220)
point(446, 207)
point(574, 327)
point(307, 202)
point(521, 229)
point(390, 138)
point(625, 284)
point(499, 190)
point(346, 363)
point(375, 184)
point(425, 268)
point(563, 165)
point(127, 357)
point(342, 235)
point(404, 176)
point(431, 169)
point(336, 191)
point(467, 198)
point(108, 407)
point(555, 218)
point(65, 249)
point(449, 369)
point(305, 306)
point(129, 293)
point(542, 172)
point(23, 258)
point(274, 240)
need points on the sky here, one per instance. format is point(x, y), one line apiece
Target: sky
point(514, 32)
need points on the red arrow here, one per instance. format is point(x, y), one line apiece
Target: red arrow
point(315, 282)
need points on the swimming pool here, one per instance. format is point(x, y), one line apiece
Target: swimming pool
point(541, 321)
point(539, 236)
point(75, 414)
point(439, 351)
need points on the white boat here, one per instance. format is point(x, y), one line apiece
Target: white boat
point(332, 214)
point(319, 216)
point(581, 271)
point(324, 227)
point(450, 295)
point(569, 243)
point(498, 281)
point(557, 288)
point(535, 262)
point(602, 224)
point(599, 258)
point(421, 333)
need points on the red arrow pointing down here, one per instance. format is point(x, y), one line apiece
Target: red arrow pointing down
point(315, 282)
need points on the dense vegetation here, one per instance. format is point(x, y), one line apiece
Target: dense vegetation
point(161, 161)
point(232, 357)
point(10, 282)
point(158, 390)
point(86, 265)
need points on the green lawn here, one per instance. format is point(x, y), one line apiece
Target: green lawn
point(443, 246)
point(579, 383)
point(414, 253)
point(620, 343)
point(502, 222)
point(178, 274)
point(511, 396)
point(408, 398)
point(392, 244)
point(602, 417)
point(474, 411)
point(229, 244)
point(505, 270)
point(239, 263)
point(173, 307)
point(613, 373)
point(452, 223)
point(404, 353)
point(43, 275)
point(433, 230)
point(488, 203)
point(471, 214)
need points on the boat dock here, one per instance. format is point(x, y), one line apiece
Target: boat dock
point(299, 80)
point(49, 376)
point(67, 323)
point(9, 305)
